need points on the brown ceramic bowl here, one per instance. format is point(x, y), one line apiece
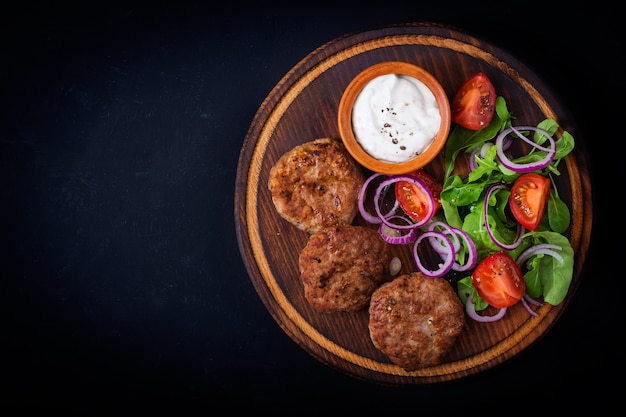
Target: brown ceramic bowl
point(347, 102)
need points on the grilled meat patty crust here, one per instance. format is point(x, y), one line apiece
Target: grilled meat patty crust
point(316, 185)
point(341, 266)
point(415, 320)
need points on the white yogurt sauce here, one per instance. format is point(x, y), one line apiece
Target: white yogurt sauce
point(395, 117)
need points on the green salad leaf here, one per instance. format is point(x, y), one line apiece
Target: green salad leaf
point(545, 274)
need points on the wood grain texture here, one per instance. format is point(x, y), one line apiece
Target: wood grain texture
point(302, 107)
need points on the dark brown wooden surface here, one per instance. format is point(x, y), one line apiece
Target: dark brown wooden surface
point(302, 107)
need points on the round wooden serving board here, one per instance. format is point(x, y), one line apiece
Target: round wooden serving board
point(302, 107)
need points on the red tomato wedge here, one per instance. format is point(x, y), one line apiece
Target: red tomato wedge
point(529, 198)
point(499, 280)
point(474, 104)
point(412, 199)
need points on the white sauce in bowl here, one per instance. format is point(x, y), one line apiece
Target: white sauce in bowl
point(395, 117)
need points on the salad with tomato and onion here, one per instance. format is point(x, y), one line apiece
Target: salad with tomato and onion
point(500, 225)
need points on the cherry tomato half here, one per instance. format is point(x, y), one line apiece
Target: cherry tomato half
point(474, 104)
point(529, 198)
point(412, 199)
point(499, 280)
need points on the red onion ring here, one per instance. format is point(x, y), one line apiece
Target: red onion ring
point(472, 256)
point(487, 145)
point(447, 258)
point(370, 218)
point(397, 236)
point(527, 307)
point(413, 180)
point(531, 300)
point(454, 234)
point(472, 159)
point(543, 248)
point(447, 230)
point(520, 228)
point(482, 151)
point(471, 311)
point(531, 166)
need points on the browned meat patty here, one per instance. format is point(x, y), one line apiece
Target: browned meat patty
point(316, 185)
point(341, 266)
point(415, 320)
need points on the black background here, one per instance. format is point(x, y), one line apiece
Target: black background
point(122, 285)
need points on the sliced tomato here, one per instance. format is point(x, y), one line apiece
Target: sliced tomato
point(474, 104)
point(412, 199)
point(529, 198)
point(499, 280)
